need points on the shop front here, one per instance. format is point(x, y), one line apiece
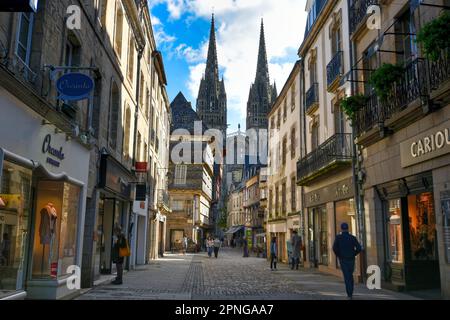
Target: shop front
point(327, 208)
point(278, 230)
point(411, 252)
point(43, 181)
point(113, 210)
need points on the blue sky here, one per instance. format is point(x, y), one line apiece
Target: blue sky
point(182, 32)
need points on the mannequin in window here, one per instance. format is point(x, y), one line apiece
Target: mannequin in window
point(48, 223)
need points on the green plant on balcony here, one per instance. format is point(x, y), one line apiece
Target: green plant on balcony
point(351, 104)
point(434, 36)
point(384, 77)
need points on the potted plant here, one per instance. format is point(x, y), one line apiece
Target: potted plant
point(351, 104)
point(384, 77)
point(434, 36)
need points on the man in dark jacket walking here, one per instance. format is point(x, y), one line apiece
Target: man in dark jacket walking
point(346, 247)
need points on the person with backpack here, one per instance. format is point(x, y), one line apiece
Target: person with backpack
point(346, 247)
point(216, 245)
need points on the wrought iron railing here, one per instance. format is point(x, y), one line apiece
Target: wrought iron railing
point(312, 96)
point(163, 198)
point(338, 148)
point(335, 68)
point(420, 78)
point(358, 11)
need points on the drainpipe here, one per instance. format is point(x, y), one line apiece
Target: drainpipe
point(303, 145)
point(356, 168)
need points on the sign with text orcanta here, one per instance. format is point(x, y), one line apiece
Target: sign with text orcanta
point(74, 86)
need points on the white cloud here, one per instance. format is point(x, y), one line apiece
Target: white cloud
point(238, 28)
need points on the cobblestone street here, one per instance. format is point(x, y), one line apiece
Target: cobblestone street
point(230, 277)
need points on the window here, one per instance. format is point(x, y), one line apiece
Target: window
point(126, 136)
point(100, 11)
point(97, 104)
point(405, 40)
point(145, 152)
point(283, 198)
point(370, 63)
point(119, 29)
point(131, 49)
point(312, 73)
point(138, 147)
point(339, 118)
point(279, 119)
point(314, 135)
point(114, 115)
point(142, 92)
point(293, 143)
point(293, 195)
point(336, 41)
point(293, 94)
point(180, 174)
point(25, 34)
point(285, 110)
point(57, 206)
point(147, 105)
point(15, 209)
point(345, 212)
point(277, 202)
point(73, 51)
point(284, 151)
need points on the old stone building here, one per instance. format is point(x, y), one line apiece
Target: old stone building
point(191, 177)
point(403, 138)
point(284, 198)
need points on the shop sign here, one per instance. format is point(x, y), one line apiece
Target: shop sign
point(74, 86)
point(47, 148)
point(141, 167)
point(429, 145)
point(334, 192)
point(18, 5)
point(115, 177)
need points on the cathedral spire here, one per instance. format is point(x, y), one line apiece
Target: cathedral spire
point(262, 68)
point(212, 68)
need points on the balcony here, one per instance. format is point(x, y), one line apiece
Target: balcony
point(312, 99)
point(422, 85)
point(163, 200)
point(358, 12)
point(331, 155)
point(335, 70)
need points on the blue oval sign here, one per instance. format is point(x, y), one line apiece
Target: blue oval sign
point(74, 86)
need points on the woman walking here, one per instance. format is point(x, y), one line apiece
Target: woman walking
point(273, 254)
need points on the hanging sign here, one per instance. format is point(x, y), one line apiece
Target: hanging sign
point(74, 86)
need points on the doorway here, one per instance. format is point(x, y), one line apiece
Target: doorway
point(140, 241)
point(318, 236)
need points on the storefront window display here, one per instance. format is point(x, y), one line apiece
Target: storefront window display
point(422, 227)
point(395, 234)
point(14, 218)
point(57, 207)
point(345, 212)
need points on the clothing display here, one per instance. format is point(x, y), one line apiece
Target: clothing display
point(2, 203)
point(48, 223)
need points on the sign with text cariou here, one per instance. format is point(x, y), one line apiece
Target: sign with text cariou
point(74, 86)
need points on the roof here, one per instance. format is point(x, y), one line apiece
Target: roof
point(183, 116)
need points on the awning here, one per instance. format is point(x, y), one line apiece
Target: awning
point(233, 230)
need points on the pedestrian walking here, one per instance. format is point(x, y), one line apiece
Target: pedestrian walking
point(120, 251)
point(296, 248)
point(216, 244)
point(245, 247)
point(185, 245)
point(273, 254)
point(210, 246)
point(346, 247)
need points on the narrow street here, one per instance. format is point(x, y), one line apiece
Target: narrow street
point(230, 277)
